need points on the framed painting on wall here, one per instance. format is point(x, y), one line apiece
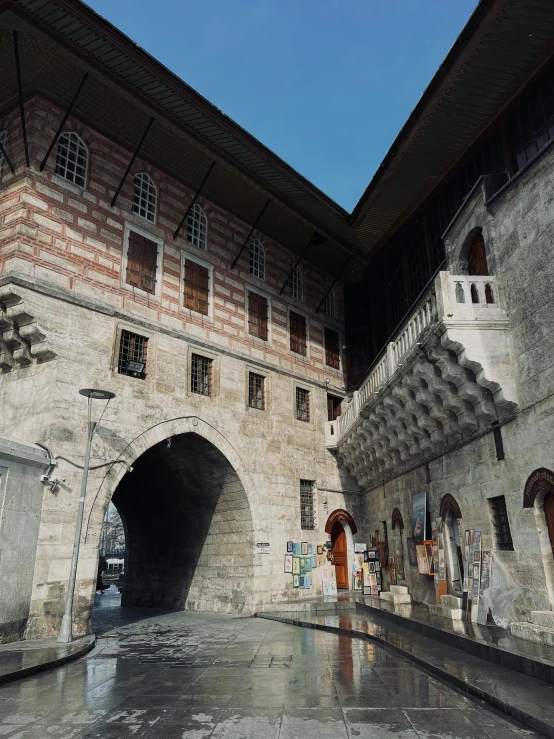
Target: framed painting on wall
point(296, 566)
point(288, 563)
point(304, 547)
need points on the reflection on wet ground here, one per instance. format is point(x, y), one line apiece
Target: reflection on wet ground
point(197, 675)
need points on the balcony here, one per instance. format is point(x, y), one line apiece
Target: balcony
point(447, 374)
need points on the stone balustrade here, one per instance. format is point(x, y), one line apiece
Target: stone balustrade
point(460, 315)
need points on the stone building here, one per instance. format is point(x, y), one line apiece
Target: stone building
point(151, 247)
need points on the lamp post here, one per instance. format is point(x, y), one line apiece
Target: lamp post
point(66, 629)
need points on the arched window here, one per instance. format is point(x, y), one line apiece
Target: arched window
point(197, 227)
point(329, 300)
point(297, 284)
point(477, 257)
point(144, 197)
point(4, 142)
point(257, 259)
point(72, 158)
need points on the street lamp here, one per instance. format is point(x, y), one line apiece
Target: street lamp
point(66, 631)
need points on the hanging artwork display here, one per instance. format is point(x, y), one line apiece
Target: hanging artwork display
point(419, 517)
point(296, 549)
point(392, 572)
point(304, 547)
point(422, 566)
point(288, 563)
point(296, 565)
point(290, 546)
point(357, 567)
point(295, 581)
point(429, 554)
point(360, 548)
point(412, 556)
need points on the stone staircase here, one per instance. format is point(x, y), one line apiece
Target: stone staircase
point(398, 595)
point(449, 607)
point(540, 629)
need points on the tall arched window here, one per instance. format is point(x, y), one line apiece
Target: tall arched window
point(329, 300)
point(197, 227)
point(257, 259)
point(72, 158)
point(297, 284)
point(477, 256)
point(4, 142)
point(144, 197)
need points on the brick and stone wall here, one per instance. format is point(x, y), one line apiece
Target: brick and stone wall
point(61, 260)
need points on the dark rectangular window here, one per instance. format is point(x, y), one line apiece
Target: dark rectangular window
point(256, 391)
point(302, 404)
point(297, 333)
point(332, 351)
point(333, 407)
point(307, 520)
point(132, 355)
point(142, 261)
point(531, 125)
point(257, 316)
point(501, 524)
point(196, 287)
point(201, 375)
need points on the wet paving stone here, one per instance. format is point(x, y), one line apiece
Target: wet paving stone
point(162, 675)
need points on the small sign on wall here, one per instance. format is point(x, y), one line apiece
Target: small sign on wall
point(263, 548)
point(360, 548)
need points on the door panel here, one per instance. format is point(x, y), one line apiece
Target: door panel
point(340, 558)
point(549, 513)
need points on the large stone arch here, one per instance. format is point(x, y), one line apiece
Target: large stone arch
point(186, 509)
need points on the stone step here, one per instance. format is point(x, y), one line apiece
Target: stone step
point(451, 601)
point(455, 614)
point(399, 589)
point(533, 632)
point(543, 618)
point(396, 598)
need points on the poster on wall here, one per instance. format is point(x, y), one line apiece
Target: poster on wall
point(412, 556)
point(288, 563)
point(422, 566)
point(357, 567)
point(360, 548)
point(419, 518)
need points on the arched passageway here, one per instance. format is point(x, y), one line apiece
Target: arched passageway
point(188, 528)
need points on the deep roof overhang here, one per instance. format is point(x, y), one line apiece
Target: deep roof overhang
point(503, 44)
point(60, 40)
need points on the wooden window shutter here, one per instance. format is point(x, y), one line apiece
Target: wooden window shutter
point(332, 352)
point(196, 287)
point(142, 262)
point(257, 316)
point(297, 333)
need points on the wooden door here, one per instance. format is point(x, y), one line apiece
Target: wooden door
point(549, 513)
point(340, 557)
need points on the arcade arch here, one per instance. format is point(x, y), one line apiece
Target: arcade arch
point(187, 519)
point(450, 514)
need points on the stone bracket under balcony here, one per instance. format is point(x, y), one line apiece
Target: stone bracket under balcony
point(447, 376)
point(22, 340)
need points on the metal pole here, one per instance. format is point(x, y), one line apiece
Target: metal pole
point(66, 629)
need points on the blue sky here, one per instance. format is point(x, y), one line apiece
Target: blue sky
point(325, 84)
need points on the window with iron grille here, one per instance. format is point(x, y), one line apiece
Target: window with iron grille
point(132, 355)
point(71, 159)
point(257, 316)
point(297, 284)
point(142, 262)
point(4, 142)
point(196, 288)
point(256, 391)
point(297, 333)
point(197, 227)
point(201, 375)
point(302, 404)
point(500, 522)
point(144, 197)
point(257, 259)
point(307, 517)
point(329, 300)
point(332, 350)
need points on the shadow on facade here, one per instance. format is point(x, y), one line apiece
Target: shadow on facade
point(188, 528)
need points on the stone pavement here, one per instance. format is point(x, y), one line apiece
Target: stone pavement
point(198, 675)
